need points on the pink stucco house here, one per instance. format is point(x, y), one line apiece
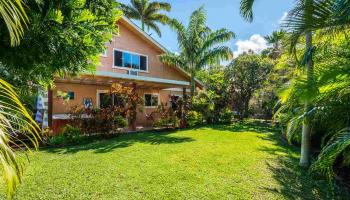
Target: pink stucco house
point(132, 57)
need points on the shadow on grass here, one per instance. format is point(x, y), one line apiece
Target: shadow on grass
point(295, 182)
point(246, 126)
point(108, 145)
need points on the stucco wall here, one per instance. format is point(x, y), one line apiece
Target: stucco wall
point(82, 91)
point(129, 40)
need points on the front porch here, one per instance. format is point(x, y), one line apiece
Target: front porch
point(96, 90)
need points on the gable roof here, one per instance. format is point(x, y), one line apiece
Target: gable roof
point(156, 44)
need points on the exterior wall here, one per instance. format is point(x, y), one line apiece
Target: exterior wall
point(129, 40)
point(82, 91)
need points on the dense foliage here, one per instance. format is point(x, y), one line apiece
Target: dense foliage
point(64, 37)
point(246, 75)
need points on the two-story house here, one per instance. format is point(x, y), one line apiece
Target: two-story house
point(132, 57)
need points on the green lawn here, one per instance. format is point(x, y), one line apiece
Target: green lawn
point(242, 161)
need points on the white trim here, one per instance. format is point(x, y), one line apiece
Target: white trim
point(98, 92)
point(158, 103)
point(130, 52)
point(140, 78)
point(67, 116)
point(175, 89)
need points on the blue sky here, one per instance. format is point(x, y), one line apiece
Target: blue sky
point(225, 14)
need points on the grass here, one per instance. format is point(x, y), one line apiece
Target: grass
point(242, 161)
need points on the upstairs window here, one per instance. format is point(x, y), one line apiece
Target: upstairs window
point(130, 60)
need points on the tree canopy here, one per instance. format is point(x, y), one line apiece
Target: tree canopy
point(64, 37)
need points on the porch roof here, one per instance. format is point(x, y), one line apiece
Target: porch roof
point(108, 78)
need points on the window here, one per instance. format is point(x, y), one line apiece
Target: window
point(151, 100)
point(104, 53)
point(70, 95)
point(130, 60)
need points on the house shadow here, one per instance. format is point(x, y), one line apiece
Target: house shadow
point(104, 145)
point(295, 182)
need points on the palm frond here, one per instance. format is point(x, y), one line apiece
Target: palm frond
point(154, 27)
point(197, 22)
point(334, 148)
point(139, 5)
point(159, 6)
point(163, 19)
point(216, 37)
point(15, 19)
point(246, 9)
point(172, 59)
point(14, 120)
point(215, 55)
point(129, 12)
point(181, 32)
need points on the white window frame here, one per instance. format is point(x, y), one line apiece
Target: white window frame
point(120, 67)
point(98, 92)
point(144, 96)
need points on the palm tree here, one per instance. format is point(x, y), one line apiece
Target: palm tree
point(199, 45)
point(306, 9)
point(14, 118)
point(276, 39)
point(147, 13)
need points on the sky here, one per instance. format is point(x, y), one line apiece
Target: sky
point(225, 14)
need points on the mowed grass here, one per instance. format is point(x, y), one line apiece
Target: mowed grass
point(241, 161)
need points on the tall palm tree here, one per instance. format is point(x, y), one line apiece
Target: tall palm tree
point(14, 118)
point(199, 45)
point(306, 7)
point(148, 13)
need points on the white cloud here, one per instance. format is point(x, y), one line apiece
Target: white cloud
point(256, 43)
point(284, 17)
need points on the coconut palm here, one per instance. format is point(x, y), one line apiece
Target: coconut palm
point(199, 46)
point(148, 13)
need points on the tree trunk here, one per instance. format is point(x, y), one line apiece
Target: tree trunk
point(193, 86)
point(246, 108)
point(142, 24)
point(306, 138)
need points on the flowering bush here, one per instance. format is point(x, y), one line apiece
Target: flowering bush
point(108, 120)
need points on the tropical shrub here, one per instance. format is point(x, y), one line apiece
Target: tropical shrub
point(68, 135)
point(226, 116)
point(165, 116)
point(57, 140)
point(194, 118)
point(71, 133)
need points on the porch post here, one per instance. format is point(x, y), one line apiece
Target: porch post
point(49, 106)
point(133, 113)
point(183, 122)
